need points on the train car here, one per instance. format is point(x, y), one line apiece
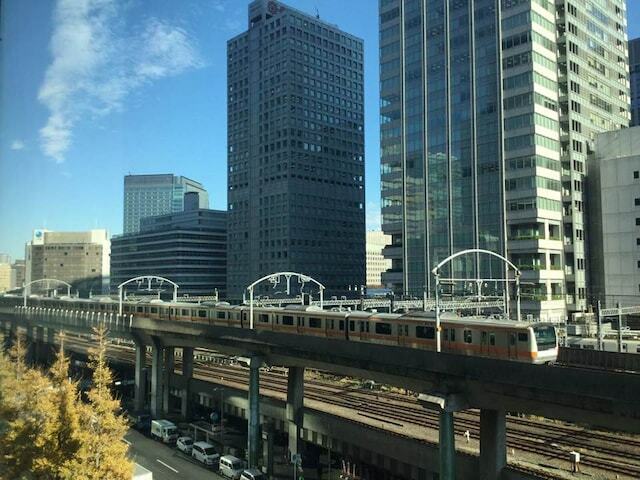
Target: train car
point(469, 336)
point(609, 344)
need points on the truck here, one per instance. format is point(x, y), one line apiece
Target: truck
point(141, 421)
point(164, 430)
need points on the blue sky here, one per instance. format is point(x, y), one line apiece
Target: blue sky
point(94, 89)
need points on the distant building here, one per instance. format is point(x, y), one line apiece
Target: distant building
point(376, 263)
point(614, 217)
point(151, 195)
point(5, 277)
point(188, 248)
point(634, 71)
point(295, 112)
point(18, 273)
point(78, 258)
point(5, 258)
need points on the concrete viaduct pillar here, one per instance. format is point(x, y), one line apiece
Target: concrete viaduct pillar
point(187, 374)
point(254, 412)
point(157, 352)
point(295, 407)
point(39, 350)
point(169, 365)
point(50, 346)
point(447, 438)
point(493, 444)
point(140, 377)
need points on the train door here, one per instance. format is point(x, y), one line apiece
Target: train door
point(512, 345)
point(354, 329)
point(484, 344)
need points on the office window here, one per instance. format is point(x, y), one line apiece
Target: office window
point(637, 202)
point(636, 174)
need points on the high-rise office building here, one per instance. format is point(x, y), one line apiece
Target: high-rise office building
point(376, 263)
point(634, 72)
point(614, 218)
point(486, 108)
point(151, 195)
point(188, 248)
point(18, 273)
point(78, 258)
point(295, 150)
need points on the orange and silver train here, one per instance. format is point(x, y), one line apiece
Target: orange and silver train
point(462, 335)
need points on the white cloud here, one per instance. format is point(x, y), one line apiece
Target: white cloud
point(96, 64)
point(374, 218)
point(17, 145)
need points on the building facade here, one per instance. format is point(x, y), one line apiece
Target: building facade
point(78, 258)
point(486, 108)
point(296, 150)
point(614, 218)
point(18, 273)
point(376, 263)
point(634, 73)
point(188, 248)
point(151, 195)
point(5, 277)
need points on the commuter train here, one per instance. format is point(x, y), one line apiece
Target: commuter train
point(463, 335)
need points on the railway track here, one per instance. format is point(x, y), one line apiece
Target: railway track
point(549, 440)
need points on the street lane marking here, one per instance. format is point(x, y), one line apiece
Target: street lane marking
point(168, 466)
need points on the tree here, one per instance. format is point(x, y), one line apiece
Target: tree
point(102, 454)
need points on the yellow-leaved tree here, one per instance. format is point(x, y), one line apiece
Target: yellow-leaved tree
point(102, 454)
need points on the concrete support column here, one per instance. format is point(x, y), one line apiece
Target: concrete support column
point(295, 407)
point(39, 346)
point(447, 446)
point(30, 339)
point(493, 444)
point(157, 352)
point(50, 344)
point(187, 374)
point(254, 412)
point(169, 366)
point(141, 380)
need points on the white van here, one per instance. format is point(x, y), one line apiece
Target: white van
point(206, 453)
point(252, 474)
point(231, 467)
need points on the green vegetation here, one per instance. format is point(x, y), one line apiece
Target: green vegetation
point(47, 432)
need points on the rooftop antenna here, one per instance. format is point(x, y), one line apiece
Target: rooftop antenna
point(317, 13)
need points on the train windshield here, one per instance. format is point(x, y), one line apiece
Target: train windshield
point(545, 337)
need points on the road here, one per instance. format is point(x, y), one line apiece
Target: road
point(166, 462)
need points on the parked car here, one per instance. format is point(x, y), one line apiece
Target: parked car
point(185, 444)
point(231, 467)
point(206, 453)
point(252, 474)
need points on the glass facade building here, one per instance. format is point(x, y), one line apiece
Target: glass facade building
point(149, 195)
point(634, 71)
point(295, 150)
point(486, 110)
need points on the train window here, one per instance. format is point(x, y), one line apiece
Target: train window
point(446, 334)
point(185, 312)
point(154, 310)
point(287, 320)
point(492, 339)
point(638, 349)
point(263, 318)
point(362, 326)
point(352, 326)
point(102, 307)
point(140, 310)
point(341, 325)
point(126, 308)
point(624, 347)
point(483, 339)
point(426, 332)
point(315, 323)
point(300, 321)
point(331, 324)
point(512, 338)
point(406, 330)
point(468, 337)
point(383, 328)
point(523, 337)
point(220, 315)
point(453, 334)
point(202, 313)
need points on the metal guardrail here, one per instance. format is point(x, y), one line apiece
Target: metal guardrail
point(613, 312)
point(578, 357)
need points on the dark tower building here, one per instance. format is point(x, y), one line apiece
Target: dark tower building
point(295, 150)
